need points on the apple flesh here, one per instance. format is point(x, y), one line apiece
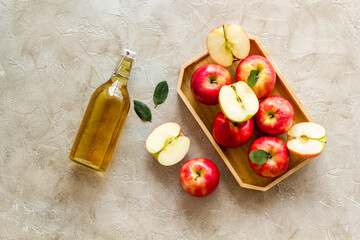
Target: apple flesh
point(207, 81)
point(275, 115)
point(228, 43)
point(231, 134)
point(199, 177)
point(238, 102)
point(277, 160)
point(306, 139)
point(265, 74)
point(168, 144)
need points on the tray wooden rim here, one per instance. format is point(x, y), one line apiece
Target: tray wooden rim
point(211, 138)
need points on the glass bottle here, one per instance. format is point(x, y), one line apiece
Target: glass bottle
point(104, 117)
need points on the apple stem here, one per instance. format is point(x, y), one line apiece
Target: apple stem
point(197, 175)
point(224, 32)
point(213, 80)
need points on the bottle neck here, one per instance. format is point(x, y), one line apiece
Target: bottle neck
point(123, 68)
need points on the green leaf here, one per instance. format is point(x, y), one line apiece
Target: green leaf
point(258, 156)
point(252, 78)
point(161, 93)
point(142, 110)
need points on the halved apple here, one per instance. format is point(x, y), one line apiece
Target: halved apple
point(228, 43)
point(168, 144)
point(238, 102)
point(306, 139)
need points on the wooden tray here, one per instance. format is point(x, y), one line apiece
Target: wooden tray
point(236, 158)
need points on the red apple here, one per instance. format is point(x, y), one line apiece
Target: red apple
point(231, 134)
point(275, 115)
point(199, 177)
point(262, 80)
point(207, 81)
point(268, 156)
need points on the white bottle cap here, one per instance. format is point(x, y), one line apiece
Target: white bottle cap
point(128, 53)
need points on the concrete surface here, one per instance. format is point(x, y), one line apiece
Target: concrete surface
point(53, 54)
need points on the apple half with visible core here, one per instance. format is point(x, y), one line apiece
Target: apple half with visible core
point(228, 43)
point(168, 144)
point(207, 81)
point(306, 139)
point(238, 102)
point(268, 156)
point(199, 177)
point(258, 73)
point(275, 115)
point(231, 134)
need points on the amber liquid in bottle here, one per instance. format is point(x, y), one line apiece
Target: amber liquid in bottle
point(104, 117)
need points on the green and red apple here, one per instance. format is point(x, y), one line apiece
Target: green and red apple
point(268, 156)
point(258, 73)
point(168, 143)
point(227, 43)
point(231, 134)
point(207, 81)
point(199, 177)
point(275, 115)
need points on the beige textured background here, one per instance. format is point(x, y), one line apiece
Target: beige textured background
point(53, 54)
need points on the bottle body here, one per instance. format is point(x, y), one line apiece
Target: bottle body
point(102, 123)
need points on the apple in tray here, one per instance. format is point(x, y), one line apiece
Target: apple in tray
point(306, 139)
point(199, 177)
point(258, 73)
point(238, 102)
point(275, 115)
point(228, 43)
point(231, 134)
point(268, 156)
point(168, 144)
point(207, 81)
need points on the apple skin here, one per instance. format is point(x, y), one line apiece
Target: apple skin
point(275, 115)
point(231, 134)
point(199, 177)
point(266, 74)
point(207, 81)
point(277, 164)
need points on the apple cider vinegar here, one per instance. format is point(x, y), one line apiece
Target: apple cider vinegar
point(104, 117)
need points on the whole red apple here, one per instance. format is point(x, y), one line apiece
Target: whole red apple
point(264, 76)
point(207, 81)
point(199, 177)
point(273, 152)
point(231, 134)
point(275, 115)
